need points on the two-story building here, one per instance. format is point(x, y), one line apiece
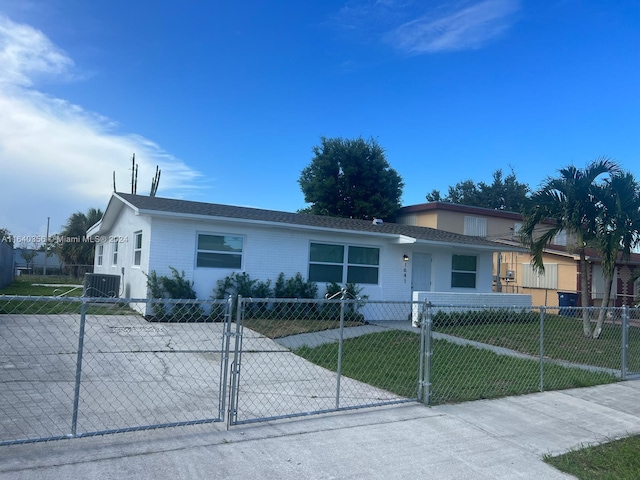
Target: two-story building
point(512, 270)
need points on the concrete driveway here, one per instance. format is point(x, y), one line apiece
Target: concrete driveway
point(135, 373)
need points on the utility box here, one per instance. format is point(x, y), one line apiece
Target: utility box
point(101, 285)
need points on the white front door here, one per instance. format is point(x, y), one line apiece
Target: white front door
point(421, 272)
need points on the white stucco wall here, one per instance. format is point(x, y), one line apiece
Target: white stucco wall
point(267, 251)
point(133, 282)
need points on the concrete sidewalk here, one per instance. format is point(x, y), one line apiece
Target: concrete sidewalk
point(490, 439)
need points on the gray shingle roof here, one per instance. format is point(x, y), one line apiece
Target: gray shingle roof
point(149, 205)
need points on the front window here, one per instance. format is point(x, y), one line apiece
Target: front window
point(363, 265)
point(327, 263)
point(137, 248)
point(100, 254)
point(219, 251)
point(463, 271)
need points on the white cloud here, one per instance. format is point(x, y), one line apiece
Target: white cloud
point(414, 27)
point(26, 52)
point(55, 157)
point(466, 28)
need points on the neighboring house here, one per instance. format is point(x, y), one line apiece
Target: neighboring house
point(29, 260)
point(140, 234)
point(512, 270)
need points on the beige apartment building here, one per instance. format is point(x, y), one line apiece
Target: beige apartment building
point(513, 273)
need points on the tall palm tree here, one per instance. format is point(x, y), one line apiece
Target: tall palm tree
point(73, 249)
point(566, 204)
point(617, 228)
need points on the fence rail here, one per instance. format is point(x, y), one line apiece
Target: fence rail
point(75, 367)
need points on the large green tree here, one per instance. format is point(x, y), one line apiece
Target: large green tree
point(504, 193)
point(73, 248)
point(567, 204)
point(351, 178)
point(617, 228)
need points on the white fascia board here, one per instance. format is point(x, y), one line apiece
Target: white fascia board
point(109, 215)
point(94, 229)
point(404, 240)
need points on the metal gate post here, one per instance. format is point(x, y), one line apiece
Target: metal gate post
point(426, 327)
point(76, 391)
point(625, 342)
point(339, 369)
point(224, 363)
point(542, 314)
point(235, 365)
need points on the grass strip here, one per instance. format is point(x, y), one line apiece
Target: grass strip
point(617, 459)
point(390, 360)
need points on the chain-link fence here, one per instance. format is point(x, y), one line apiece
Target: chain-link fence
point(484, 353)
point(72, 367)
point(296, 357)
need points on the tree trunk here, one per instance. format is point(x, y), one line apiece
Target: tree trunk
point(603, 310)
point(584, 293)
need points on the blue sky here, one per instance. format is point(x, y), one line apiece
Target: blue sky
point(229, 98)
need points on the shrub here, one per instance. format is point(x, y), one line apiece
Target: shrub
point(235, 284)
point(176, 287)
point(352, 292)
point(295, 287)
point(483, 317)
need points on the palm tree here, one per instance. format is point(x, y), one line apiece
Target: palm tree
point(617, 228)
point(73, 248)
point(566, 204)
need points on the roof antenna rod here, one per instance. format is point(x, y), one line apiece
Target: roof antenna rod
point(134, 175)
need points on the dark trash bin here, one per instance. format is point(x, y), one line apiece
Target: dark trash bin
point(566, 301)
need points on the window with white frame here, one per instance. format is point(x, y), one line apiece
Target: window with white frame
point(114, 258)
point(219, 251)
point(463, 271)
point(531, 278)
point(100, 254)
point(343, 263)
point(475, 226)
point(137, 248)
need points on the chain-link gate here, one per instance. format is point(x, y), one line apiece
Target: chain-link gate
point(295, 357)
point(76, 367)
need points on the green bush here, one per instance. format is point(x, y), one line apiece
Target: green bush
point(352, 293)
point(295, 287)
point(176, 287)
point(483, 317)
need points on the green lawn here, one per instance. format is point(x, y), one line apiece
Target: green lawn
point(619, 459)
point(563, 340)
point(389, 360)
point(36, 286)
point(31, 285)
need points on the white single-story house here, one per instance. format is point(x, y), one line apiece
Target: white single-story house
point(139, 234)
